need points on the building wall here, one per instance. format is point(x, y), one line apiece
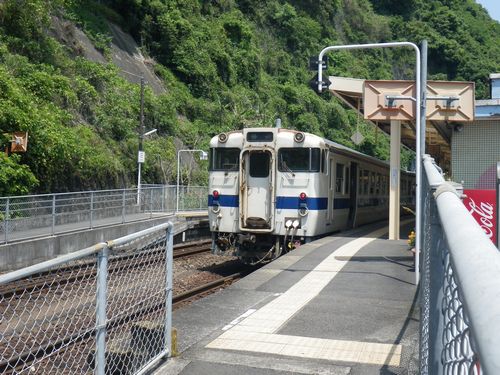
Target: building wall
point(474, 154)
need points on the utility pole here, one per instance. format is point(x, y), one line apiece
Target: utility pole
point(140, 154)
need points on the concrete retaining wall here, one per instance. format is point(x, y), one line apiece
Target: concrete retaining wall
point(26, 253)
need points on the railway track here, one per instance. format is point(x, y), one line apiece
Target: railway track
point(206, 288)
point(65, 275)
point(10, 365)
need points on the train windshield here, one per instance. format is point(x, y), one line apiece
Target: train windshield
point(225, 159)
point(299, 160)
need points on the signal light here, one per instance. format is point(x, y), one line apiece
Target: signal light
point(215, 194)
point(303, 196)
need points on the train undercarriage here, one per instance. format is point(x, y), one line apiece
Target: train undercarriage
point(253, 248)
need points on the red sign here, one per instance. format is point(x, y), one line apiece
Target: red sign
point(482, 206)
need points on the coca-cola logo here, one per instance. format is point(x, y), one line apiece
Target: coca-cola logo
point(482, 205)
point(484, 215)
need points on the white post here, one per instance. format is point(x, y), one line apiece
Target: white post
point(178, 176)
point(418, 99)
point(139, 183)
point(395, 186)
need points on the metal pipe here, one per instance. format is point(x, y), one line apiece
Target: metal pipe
point(418, 215)
point(102, 276)
point(6, 219)
point(123, 206)
point(91, 209)
point(53, 213)
point(152, 363)
point(151, 202)
point(423, 85)
point(125, 239)
point(169, 288)
point(44, 266)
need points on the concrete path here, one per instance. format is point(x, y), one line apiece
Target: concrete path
point(345, 304)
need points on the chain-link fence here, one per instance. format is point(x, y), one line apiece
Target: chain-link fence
point(460, 287)
point(104, 310)
point(31, 216)
point(193, 198)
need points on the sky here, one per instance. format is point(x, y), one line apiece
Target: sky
point(493, 7)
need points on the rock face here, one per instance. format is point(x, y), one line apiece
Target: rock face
point(125, 53)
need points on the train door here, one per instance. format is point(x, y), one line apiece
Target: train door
point(257, 190)
point(331, 189)
point(353, 195)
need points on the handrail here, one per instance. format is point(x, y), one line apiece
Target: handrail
point(475, 268)
point(154, 186)
point(48, 264)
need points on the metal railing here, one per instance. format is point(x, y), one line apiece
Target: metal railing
point(30, 216)
point(106, 309)
point(460, 285)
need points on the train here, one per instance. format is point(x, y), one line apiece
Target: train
point(272, 189)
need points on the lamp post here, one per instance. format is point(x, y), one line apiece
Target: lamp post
point(141, 157)
point(203, 156)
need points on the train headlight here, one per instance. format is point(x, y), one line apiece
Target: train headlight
point(215, 194)
point(299, 137)
point(222, 137)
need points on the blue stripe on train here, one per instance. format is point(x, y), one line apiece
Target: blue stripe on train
point(294, 203)
point(225, 200)
point(285, 202)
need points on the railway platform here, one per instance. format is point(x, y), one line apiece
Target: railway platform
point(344, 304)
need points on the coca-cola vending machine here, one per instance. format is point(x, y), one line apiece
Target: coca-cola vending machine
point(498, 205)
point(483, 206)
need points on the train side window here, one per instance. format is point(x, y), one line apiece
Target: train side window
point(372, 182)
point(225, 159)
point(347, 180)
point(259, 164)
point(377, 184)
point(339, 178)
point(366, 182)
point(323, 161)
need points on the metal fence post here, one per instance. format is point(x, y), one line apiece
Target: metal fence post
point(123, 206)
point(91, 209)
point(163, 198)
point(102, 278)
point(151, 202)
point(169, 287)
point(53, 213)
point(6, 220)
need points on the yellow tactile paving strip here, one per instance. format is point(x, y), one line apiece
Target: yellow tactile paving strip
point(255, 330)
point(308, 347)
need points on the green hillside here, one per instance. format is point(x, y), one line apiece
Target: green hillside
point(225, 64)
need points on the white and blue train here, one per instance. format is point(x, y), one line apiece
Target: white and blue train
point(271, 188)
